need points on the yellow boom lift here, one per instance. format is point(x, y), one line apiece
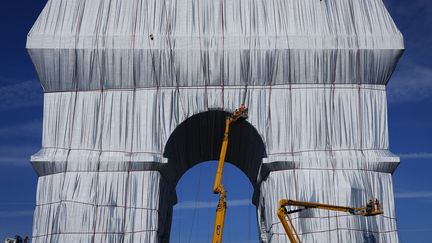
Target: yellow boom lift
point(373, 208)
point(218, 188)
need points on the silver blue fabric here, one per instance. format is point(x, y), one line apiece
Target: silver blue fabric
point(120, 76)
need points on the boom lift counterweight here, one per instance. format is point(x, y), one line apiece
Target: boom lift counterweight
point(218, 188)
point(373, 208)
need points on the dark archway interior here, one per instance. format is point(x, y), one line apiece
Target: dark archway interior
point(199, 139)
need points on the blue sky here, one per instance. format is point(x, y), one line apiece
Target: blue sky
point(410, 127)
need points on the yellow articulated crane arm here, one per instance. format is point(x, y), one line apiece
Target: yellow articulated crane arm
point(373, 208)
point(218, 188)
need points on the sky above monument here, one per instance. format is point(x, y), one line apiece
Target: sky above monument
point(409, 119)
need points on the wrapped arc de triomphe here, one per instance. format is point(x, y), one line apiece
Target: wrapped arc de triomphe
point(135, 94)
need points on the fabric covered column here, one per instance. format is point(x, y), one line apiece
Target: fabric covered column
point(103, 206)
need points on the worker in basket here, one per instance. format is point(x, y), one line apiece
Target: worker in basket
point(373, 206)
point(241, 112)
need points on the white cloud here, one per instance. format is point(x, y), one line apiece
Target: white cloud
point(14, 214)
point(16, 155)
point(210, 204)
point(27, 129)
point(421, 155)
point(27, 133)
point(20, 94)
point(412, 82)
point(16, 203)
point(16, 161)
point(413, 195)
point(416, 230)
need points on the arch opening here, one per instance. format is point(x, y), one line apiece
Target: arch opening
point(193, 215)
point(199, 139)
